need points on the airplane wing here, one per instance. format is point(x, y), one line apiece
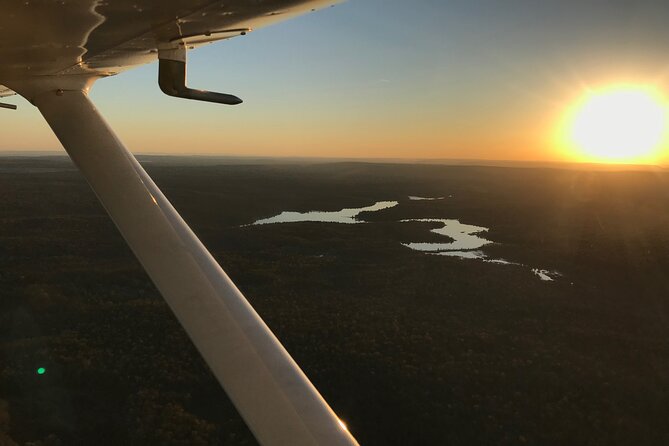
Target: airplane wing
point(51, 53)
point(44, 37)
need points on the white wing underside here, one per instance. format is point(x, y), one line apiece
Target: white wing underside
point(44, 37)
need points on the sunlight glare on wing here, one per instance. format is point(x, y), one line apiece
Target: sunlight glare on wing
point(342, 424)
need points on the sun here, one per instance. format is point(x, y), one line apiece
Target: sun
point(619, 124)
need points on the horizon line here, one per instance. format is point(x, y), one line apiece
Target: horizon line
point(393, 160)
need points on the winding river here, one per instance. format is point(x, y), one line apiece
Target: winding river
point(465, 241)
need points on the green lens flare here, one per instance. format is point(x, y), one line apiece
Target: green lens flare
point(41, 371)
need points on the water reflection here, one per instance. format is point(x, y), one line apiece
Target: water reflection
point(502, 262)
point(473, 255)
point(545, 275)
point(466, 244)
point(465, 241)
point(345, 216)
point(414, 198)
point(464, 237)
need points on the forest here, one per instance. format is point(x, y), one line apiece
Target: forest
point(408, 348)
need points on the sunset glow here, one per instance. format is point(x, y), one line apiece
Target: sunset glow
point(476, 81)
point(619, 124)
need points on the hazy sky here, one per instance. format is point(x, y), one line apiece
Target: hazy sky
point(484, 79)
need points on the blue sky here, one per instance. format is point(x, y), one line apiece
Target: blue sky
point(446, 79)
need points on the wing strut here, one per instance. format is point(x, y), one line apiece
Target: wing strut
point(275, 398)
